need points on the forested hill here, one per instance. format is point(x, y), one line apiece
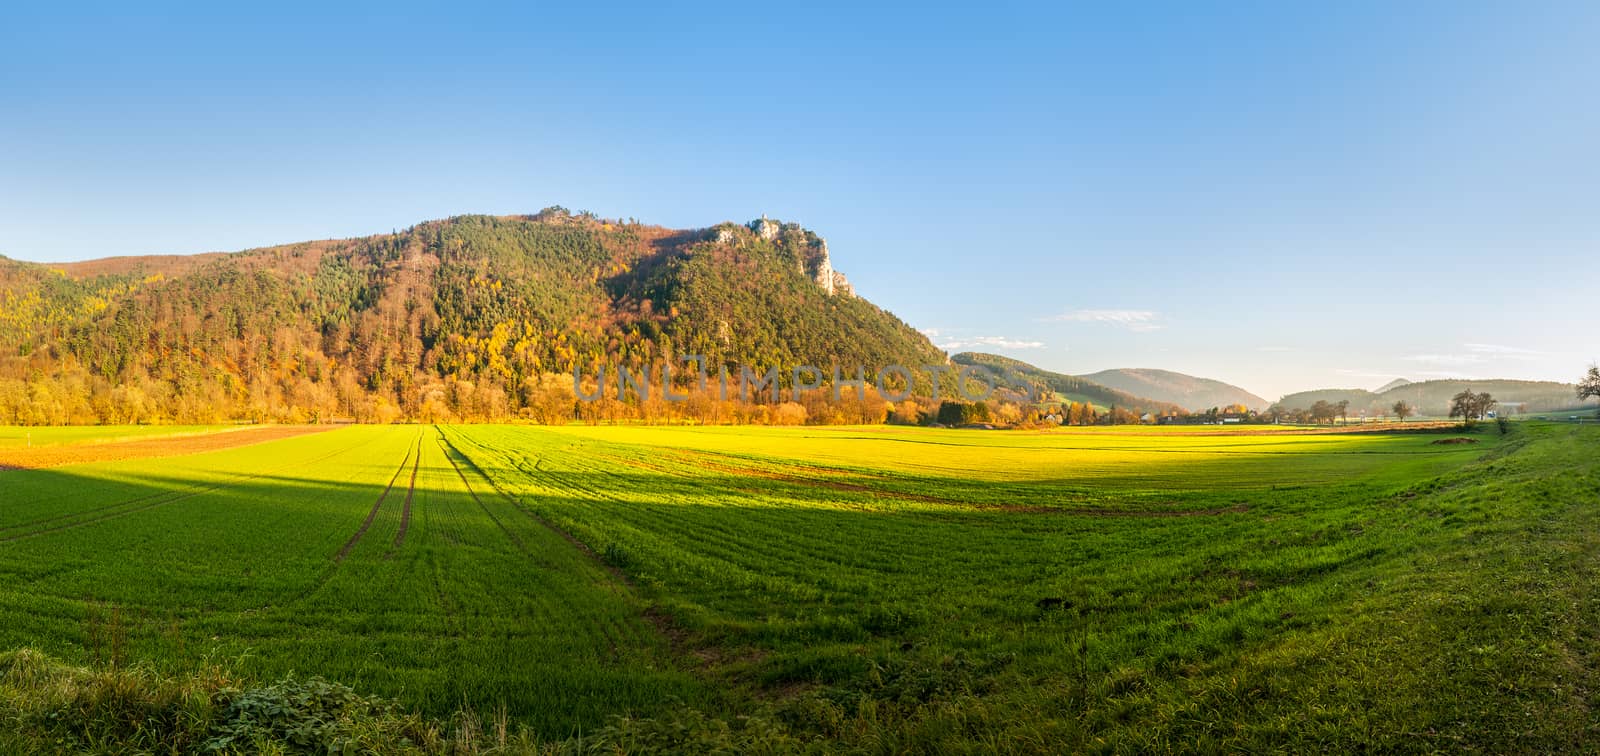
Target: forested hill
point(1192, 393)
point(467, 317)
point(1066, 387)
point(1432, 398)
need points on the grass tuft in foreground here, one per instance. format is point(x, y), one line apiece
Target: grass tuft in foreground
point(47, 706)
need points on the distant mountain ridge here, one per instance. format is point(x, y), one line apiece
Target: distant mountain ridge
point(1432, 398)
point(1190, 392)
point(1015, 372)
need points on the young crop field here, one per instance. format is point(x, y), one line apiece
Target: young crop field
point(870, 589)
point(366, 555)
point(65, 445)
point(17, 437)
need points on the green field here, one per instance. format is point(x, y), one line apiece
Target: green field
point(868, 589)
point(13, 437)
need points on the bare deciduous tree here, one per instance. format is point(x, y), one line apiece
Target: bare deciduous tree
point(1403, 410)
point(1590, 385)
point(1471, 407)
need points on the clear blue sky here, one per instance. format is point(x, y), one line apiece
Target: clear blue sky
point(1281, 195)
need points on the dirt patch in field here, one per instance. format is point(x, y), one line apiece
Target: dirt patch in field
point(1452, 441)
point(677, 636)
point(141, 448)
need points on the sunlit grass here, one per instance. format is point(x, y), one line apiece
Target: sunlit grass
point(15, 436)
point(884, 589)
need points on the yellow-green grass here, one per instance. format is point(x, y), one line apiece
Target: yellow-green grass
point(1071, 591)
point(870, 588)
point(1092, 461)
point(250, 555)
point(17, 436)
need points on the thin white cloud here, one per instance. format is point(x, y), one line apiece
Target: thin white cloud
point(1365, 373)
point(1140, 321)
point(993, 342)
point(1445, 360)
point(1505, 352)
point(1478, 354)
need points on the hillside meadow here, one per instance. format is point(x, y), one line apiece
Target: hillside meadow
point(478, 588)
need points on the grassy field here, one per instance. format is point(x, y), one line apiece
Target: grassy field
point(363, 555)
point(13, 437)
point(866, 589)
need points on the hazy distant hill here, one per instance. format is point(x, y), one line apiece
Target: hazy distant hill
point(1187, 391)
point(1433, 397)
point(465, 313)
point(1394, 384)
point(1071, 387)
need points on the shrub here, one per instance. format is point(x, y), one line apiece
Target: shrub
point(311, 715)
point(48, 706)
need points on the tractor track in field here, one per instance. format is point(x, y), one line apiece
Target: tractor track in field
point(679, 639)
point(583, 548)
point(446, 448)
point(90, 511)
point(161, 498)
point(405, 511)
point(414, 458)
point(378, 505)
point(665, 626)
point(111, 516)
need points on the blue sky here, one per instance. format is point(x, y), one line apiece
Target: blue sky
point(1278, 195)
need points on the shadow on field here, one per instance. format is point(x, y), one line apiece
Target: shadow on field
point(589, 581)
point(488, 601)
